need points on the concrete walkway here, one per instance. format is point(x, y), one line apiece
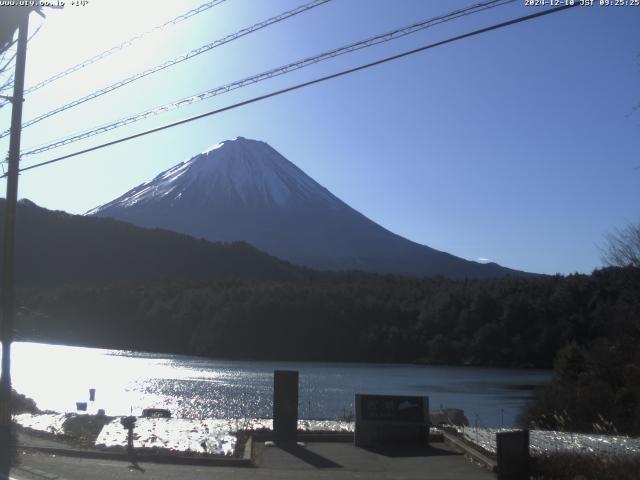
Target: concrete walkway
point(313, 461)
point(344, 460)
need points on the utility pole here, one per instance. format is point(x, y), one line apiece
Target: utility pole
point(8, 254)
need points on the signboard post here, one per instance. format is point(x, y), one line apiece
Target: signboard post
point(389, 419)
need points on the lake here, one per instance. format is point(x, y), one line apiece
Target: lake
point(56, 377)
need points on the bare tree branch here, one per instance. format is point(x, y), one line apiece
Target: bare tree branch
point(8, 61)
point(6, 84)
point(622, 247)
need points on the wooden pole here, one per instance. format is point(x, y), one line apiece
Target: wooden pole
point(8, 254)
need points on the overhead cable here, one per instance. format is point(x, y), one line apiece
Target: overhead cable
point(174, 61)
point(304, 84)
point(121, 46)
point(385, 37)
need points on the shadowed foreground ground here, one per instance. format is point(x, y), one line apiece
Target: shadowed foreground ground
point(314, 461)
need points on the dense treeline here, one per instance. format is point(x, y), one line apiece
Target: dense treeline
point(589, 323)
point(506, 322)
point(596, 383)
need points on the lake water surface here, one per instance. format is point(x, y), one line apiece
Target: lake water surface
point(56, 377)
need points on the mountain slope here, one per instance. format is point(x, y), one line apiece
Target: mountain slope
point(245, 190)
point(56, 248)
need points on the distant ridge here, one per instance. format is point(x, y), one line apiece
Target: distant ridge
point(55, 248)
point(244, 190)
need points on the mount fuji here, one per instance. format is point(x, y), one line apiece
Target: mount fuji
point(243, 189)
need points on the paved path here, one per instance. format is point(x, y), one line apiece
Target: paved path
point(314, 461)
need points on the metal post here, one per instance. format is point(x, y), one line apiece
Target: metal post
point(8, 286)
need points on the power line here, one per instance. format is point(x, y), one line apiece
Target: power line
point(306, 84)
point(8, 83)
point(121, 46)
point(381, 38)
point(174, 61)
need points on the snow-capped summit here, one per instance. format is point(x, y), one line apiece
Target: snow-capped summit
point(243, 189)
point(243, 170)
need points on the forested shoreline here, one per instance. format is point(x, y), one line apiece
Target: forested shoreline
point(589, 325)
point(511, 322)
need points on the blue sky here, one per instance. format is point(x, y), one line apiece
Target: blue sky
point(517, 146)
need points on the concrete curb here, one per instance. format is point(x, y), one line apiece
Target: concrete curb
point(345, 437)
point(342, 437)
point(458, 444)
point(148, 457)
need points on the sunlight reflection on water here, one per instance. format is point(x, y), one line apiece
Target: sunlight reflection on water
point(57, 377)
